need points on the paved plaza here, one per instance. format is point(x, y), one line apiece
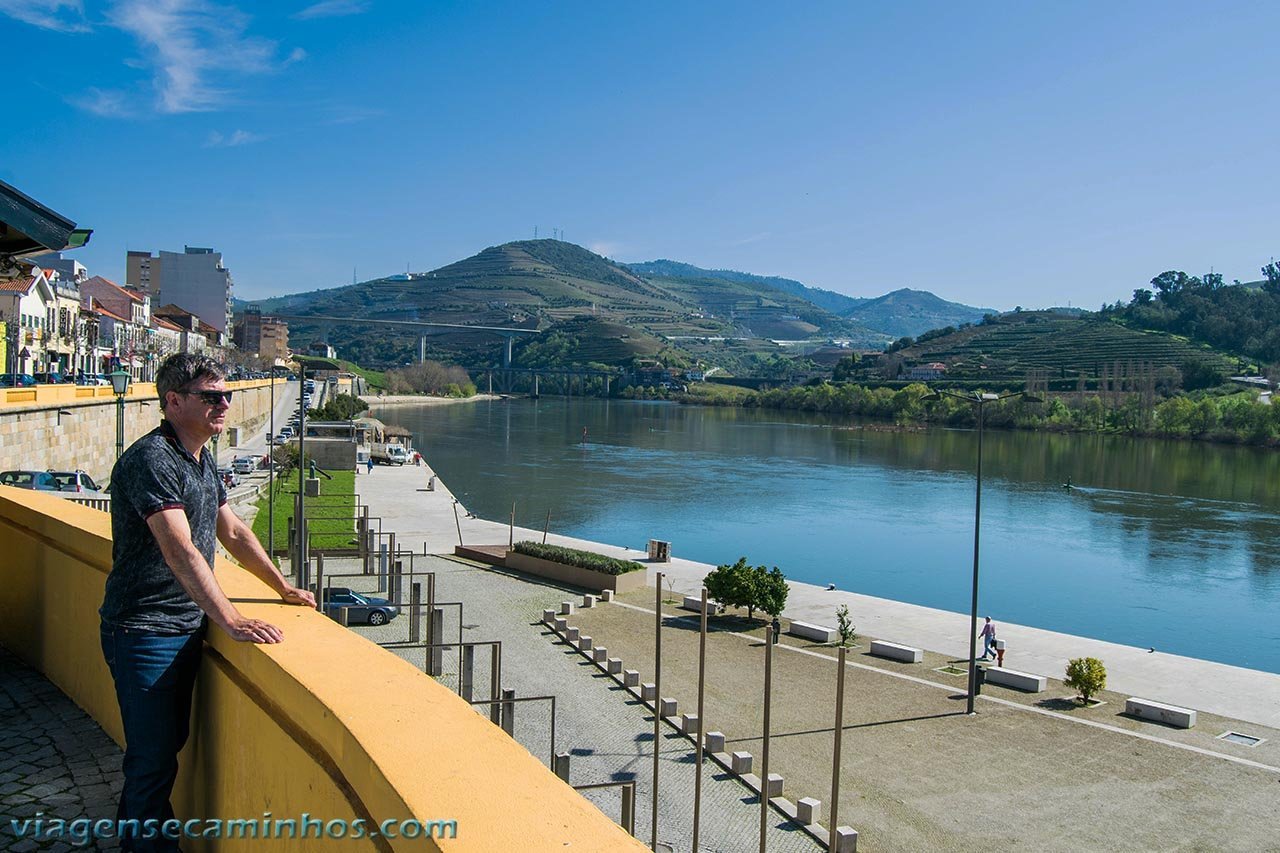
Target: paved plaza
point(54, 759)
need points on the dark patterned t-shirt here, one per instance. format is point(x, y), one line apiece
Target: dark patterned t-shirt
point(157, 473)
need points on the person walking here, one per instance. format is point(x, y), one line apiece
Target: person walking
point(168, 512)
point(369, 462)
point(988, 639)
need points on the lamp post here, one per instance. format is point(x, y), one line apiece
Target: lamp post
point(120, 385)
point(271, 465)
point(979, 401)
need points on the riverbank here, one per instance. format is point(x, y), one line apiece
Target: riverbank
point(426, 518)
point(376, 401)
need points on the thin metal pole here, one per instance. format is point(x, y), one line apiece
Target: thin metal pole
point(271, 469)
point(511, 534)
point(973, 609)
point(702, 726)
point(457, 522)
point(120, 428)
point(302, 501)
point(545, 527)
point(835, 756)
point(764, 751)
point(657, 706)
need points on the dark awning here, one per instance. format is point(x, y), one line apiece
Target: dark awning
point(27, 227)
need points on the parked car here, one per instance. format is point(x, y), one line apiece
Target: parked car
point(230, 478)
point(52, 378)
point(360, 608)
point(40, 480)
point(244, 464)
point(280, 439)
point(75, 481)
point(16, 380)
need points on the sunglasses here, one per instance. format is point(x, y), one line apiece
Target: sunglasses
point(210, 398)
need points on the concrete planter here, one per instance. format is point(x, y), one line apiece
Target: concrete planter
point(584, 578)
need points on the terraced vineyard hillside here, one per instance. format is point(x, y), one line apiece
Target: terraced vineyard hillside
point(1065, 347)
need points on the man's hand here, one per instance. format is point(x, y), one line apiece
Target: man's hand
point(254, 631)
point(293, 595)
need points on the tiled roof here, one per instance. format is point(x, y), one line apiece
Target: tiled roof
point(162, 323)
point(99, 279)
point(98, 309)
point(17, 285)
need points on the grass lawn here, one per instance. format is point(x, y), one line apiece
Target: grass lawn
point(337, 497)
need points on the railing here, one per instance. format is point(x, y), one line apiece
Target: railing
point(103, 504)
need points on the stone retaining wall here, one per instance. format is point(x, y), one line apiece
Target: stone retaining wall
point(34, 436)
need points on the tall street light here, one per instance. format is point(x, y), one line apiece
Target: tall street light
point(979, 401)
point(120, 385)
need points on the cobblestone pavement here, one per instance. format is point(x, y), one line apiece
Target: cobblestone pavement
point(608, 733)
point(54, 759)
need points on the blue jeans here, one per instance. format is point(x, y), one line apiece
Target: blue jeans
point(154, 675)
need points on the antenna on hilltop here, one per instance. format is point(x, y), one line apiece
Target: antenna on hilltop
point(535, 232)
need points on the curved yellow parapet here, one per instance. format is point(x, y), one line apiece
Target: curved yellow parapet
point(325, 723)
point(63, 394)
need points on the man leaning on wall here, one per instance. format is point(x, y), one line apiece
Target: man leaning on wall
point(168, 511)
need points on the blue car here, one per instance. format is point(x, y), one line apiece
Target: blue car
point(17, 380)
point(360, 608)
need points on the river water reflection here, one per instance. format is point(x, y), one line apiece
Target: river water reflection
point(1157, 543)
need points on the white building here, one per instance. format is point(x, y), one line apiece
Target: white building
point(194, 279)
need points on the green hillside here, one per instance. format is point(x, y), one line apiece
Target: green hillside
point(828, 300)
point(907, 313)
point(1008, 346)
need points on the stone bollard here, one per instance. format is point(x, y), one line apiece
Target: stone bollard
point(560, 625)
point(774, 788)
point(572, 634)
point(584, 644)
point(631, 678)
point(740, 763)
point(588, 601)
point(599, 654)
point(606, 595)
point(715, 742)
point(809, 811)
point(648, 691)
point(689, 723)
point(614, 666)
point(562, 765)
point(566, 608)
point(549, 616)
point(668, 707)
point(846, 839)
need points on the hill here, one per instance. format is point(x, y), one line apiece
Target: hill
point(828, 300)
point(907, 313)
point(1065, 347)
point(540, 284)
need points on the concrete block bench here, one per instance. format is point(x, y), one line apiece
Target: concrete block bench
point(809, 631)
point(1017, 680)
point(1182, 718)
point(896, 651)
point(695, 604)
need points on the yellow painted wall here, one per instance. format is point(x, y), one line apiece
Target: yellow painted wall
point(326, 722)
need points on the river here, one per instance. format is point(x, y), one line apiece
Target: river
point(1157, 543)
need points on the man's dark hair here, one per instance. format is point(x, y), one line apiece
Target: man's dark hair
point(179, 372)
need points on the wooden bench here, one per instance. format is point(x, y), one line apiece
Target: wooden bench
point(896, 651)
point(810, 631)
point(1017, 680)
point(1182, 718)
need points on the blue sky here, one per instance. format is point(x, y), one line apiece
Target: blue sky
point(997, 155)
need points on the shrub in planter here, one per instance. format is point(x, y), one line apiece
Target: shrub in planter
point(581, 559)
point(1086, 675)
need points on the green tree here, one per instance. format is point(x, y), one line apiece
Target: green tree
point(341, 407)
point(770, 589)
point(728, 584)
point(844, 626)
point(1087, 676)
